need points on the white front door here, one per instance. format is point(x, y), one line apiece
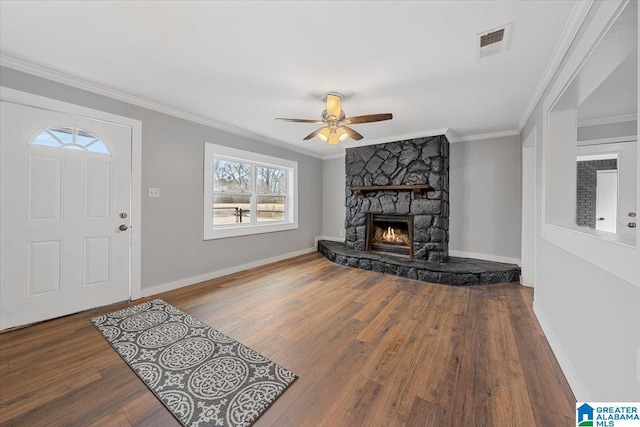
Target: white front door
point(607, 200)
point(65, 184)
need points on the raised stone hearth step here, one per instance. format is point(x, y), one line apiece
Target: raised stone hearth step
point(457, 271)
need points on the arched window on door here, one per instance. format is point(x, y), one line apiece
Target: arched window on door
point(71, 138)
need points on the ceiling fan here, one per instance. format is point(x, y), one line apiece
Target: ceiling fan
point(335, 122)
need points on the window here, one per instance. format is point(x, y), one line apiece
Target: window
point(70, 138)
point(247, 193)
point(576, 100)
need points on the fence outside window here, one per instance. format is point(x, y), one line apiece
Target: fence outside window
point(237, 215)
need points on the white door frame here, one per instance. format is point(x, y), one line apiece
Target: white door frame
point(529, 235)
point(36, 101)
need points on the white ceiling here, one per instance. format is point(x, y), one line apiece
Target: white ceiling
point(242, 64)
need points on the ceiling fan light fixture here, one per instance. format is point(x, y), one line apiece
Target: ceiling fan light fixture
point(324, 134)
point(335, 121)
point(333, 138)
point(333, 105)
point(342, 134)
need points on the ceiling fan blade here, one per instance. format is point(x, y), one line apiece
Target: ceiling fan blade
point(312, 134)
point(333, 105)
point(368, 118)
point(279, 119)
point(352, 133)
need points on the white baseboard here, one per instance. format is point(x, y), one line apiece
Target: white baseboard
point(486, 257)
point(576, 385)
point(525, 283)
point(332, 238)
point(215, 274)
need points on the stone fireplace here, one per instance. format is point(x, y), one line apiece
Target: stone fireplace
point(397, 216)
point(406, 185)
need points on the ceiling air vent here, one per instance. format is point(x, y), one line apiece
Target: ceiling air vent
point(491, 38)
point(494, 41)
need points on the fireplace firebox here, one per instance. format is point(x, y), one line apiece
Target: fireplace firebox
point(390, 233)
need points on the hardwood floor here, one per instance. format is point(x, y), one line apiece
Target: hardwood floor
point(370, 350)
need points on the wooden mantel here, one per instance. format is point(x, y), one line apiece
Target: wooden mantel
point(417, 189)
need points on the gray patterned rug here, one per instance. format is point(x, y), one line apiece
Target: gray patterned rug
point(202, 376)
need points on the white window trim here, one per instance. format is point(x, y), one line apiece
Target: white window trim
point(209, 231)
point(617, 258)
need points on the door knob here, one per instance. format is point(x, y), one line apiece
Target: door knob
point(601, 219)
point(123, 227)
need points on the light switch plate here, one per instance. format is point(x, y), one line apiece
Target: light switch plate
point(154, 192)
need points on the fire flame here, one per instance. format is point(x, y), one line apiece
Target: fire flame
point(390, 236)
point(393, 236)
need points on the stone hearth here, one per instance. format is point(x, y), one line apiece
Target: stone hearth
point(457, 271)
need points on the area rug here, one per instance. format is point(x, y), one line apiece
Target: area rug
point(201, 375)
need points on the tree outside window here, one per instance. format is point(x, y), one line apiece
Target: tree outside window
point(247, 192)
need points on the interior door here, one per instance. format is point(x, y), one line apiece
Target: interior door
point(607, 200)
point(64, 221)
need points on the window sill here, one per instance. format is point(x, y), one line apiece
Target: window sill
point(248, 230)
point(627, 239)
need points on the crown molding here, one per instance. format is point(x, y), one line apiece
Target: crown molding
point(69, 80)
point(608, 120)
point(569, 32)
point(449, 135)
point(334, 156)
point(491, 135)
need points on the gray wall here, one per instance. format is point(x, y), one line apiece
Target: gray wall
point(611, 130)
point(485, 197)
point(172, 159)
point(590, 314)
point(333, 209)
